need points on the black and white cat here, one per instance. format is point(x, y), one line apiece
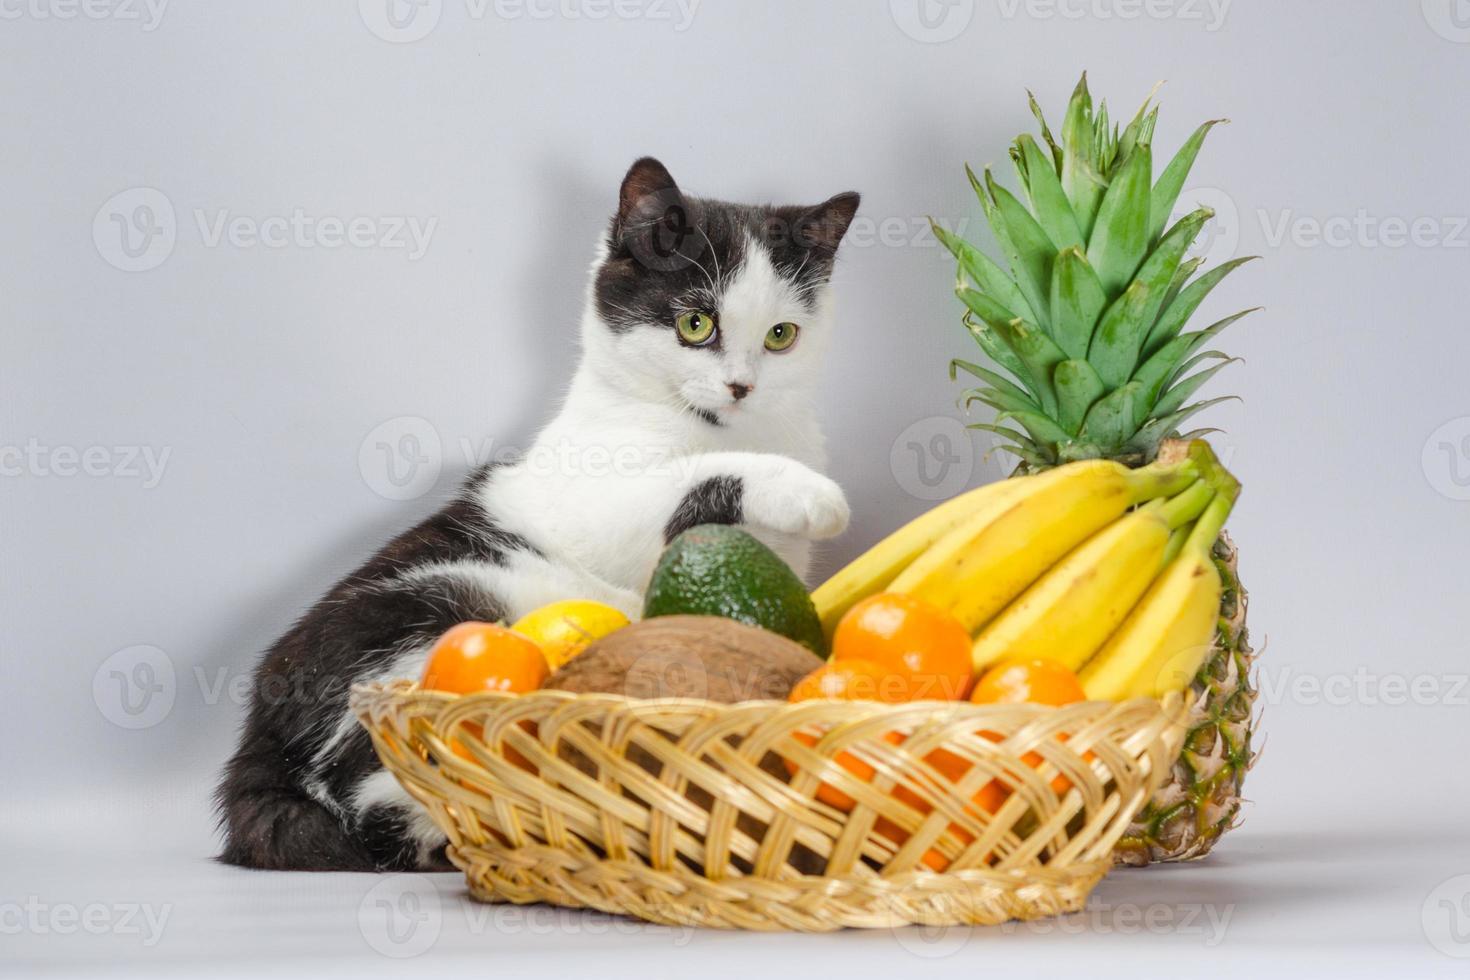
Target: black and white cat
point(694, 402)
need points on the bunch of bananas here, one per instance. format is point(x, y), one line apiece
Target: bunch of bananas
point(1102, 568)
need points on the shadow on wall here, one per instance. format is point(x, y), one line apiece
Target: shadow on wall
point(900, 452)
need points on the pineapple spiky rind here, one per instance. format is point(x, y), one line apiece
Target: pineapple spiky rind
point(1201, 801)
point(1090, 321)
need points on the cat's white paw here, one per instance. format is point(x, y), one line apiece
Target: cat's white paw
point(795, 499)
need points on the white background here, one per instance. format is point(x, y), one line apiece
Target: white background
point(269, 376)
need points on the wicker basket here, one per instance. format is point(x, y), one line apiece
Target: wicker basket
point(692, 812)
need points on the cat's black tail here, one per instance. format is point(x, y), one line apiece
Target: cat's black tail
point(271, 824)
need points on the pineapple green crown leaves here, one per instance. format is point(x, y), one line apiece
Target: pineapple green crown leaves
point(1088, 320)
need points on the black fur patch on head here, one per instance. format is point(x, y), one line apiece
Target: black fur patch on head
point(669, 253)
point(803, 241)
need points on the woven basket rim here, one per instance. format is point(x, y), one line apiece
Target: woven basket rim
point(362, 695)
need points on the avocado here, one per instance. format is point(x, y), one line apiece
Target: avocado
point(719, 570)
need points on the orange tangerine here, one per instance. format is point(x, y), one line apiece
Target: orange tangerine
point(909, 636)
point(849, 680)
point(473, 657)
point(1035, 680)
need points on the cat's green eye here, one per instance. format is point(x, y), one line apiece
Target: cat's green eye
point(780, 337)
point(696, 328)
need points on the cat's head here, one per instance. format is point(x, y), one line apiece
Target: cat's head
point(714, 308)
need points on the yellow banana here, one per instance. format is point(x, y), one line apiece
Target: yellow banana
point(877, 567)
point(1162, 643)
point(976, 569)
point(1073, 608)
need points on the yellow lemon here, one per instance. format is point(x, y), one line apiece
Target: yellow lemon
point(563, 629)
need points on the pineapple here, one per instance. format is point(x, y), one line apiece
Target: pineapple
point(1088, 325)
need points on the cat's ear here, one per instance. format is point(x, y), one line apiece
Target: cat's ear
point(647, 195)
point(824, 225)
point(655, 223)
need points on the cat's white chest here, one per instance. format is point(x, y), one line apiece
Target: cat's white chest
point(601, 493)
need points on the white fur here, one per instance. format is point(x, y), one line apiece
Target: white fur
point(597, 488)
point(604, 476)
point(381, 788)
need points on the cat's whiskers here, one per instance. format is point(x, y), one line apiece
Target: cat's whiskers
point(804, 260)
point(713, 285)
point(633, 316)
point(713, 254)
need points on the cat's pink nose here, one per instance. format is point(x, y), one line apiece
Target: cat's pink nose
point(739, 390)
